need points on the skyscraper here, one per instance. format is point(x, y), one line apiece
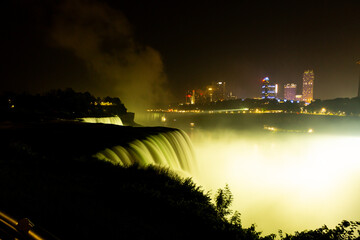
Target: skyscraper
point(216, 92)
point(308, 86)
point(358, 62)
point(290, 91)
point(221, 91)
point(359, 88)
point(268, 91)
point(190, 97)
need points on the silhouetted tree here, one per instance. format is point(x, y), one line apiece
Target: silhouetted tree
point(346, 230)
point(223, 200)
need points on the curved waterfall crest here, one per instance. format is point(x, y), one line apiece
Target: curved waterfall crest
point(105, 120)
point(171, 149)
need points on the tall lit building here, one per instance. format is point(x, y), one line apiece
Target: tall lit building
point(221, 91)
point(358, 62)
point(216, 92)
point(359, 88)
point(190, 97)
point(268, 91)
point(308, 86)
point(290, 91)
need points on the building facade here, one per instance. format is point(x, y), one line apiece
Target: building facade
point(268, 91)
point(212, 93)
point(308, 86)
point(290, 91)
point(358, 62)
point(190, 97)
point(216, 92)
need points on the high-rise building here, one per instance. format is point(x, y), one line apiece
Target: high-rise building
point(290, 91)
point(268, 91)
point(190, 97)
point(358, 62)
point(216, 92)
point(308, 86)
point(221, 91)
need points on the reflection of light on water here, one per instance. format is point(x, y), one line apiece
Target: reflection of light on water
point(274, 129)
point(288, 181)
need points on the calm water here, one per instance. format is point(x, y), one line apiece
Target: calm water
point(289, 172)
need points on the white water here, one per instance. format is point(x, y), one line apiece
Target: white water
point(172, 150)
point(105, 120)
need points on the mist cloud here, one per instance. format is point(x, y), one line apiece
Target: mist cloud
point(103, 38)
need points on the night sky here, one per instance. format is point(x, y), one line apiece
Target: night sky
point(146, 52)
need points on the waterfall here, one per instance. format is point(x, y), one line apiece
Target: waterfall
point(106, 120)
point(171, 149)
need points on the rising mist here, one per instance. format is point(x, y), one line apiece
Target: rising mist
point(117, 65)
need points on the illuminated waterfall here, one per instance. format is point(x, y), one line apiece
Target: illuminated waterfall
point(106, 120)
point(171, 149)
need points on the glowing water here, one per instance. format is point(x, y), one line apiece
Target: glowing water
point(105, 120)
point(171, 149)
point(283, 181)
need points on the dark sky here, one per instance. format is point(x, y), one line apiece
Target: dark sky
point(145, 51)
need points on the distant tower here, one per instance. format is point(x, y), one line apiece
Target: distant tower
point(290, 91)
point(221, 88)
point(192, 101)
point(268, 91)
point(308, 86)
point(358, 62)
point(190, 97)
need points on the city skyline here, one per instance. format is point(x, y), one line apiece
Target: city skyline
point(151, 52)
point(268, 91)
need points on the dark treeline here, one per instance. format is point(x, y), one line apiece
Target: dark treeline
point(346, 230)
point(347, 105)
point(58, 104)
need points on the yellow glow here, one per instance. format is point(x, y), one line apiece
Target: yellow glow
point(106, 103)
point(310, 130)
point(163, 119)
point(270, 128)
point(291, 182)
point(192, 124)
